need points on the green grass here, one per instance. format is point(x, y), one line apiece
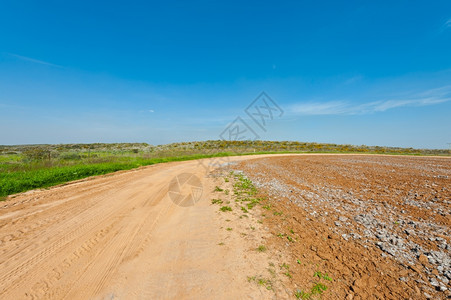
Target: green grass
point(287, 273)
point(252, 203)
point(225, 208)
point(285, 266)
point(290, 239)
point(324, 276)
point(261, 248)
point(244, 185)
point(17, 176)
point(15, 182)
point(216, 201)
point(245, 192)
point(218, 189)
point(261, 281)
point(302, 295)
point(272, 272)
point(318, 288)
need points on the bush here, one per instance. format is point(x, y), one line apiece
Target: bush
point(70, 156)
point(36, 153)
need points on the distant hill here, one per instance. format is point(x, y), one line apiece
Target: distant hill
point(216, 146)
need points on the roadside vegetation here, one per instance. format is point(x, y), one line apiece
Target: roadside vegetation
point(318, 288)
point(26, 167)
point(245, 196)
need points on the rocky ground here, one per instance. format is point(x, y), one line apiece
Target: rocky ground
point(378, 226)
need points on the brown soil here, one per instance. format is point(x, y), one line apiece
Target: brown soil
point(379, 226)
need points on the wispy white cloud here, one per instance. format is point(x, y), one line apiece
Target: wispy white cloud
point(36, 61)
point(445, 27)
point(321, 108)
point(147, 111)
point(430, 97)
point(437, 92)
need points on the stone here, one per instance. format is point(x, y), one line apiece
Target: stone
point(434, 282)
point(423, 259)
point(448, 274)
point(332, 236)
point(443, 279)
point(342, 219)
point(404, 279)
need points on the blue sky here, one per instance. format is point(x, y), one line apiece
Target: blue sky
point(374, 73)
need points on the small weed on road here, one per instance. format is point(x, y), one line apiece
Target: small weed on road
point(216, 201)
point(261, 248)
point(225, 208)
point(261, 281)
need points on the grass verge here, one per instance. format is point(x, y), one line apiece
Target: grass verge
point(16, 181)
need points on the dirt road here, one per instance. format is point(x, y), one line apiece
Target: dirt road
point(119, 236)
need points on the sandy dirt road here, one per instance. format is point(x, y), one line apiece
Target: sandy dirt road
point(119, 236)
